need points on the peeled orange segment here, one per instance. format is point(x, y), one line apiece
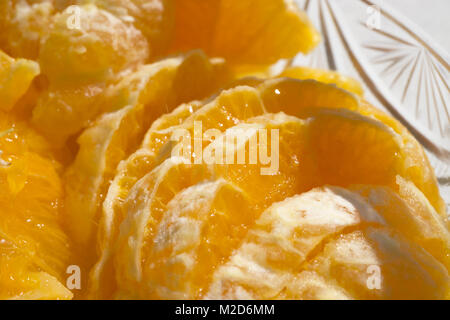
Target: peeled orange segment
point(410, 214)
point(262, 32)
point(298, 97)
point(34, 250)
point(295, 172)
point(154, 18)
point(179, 79)
point(249, 81)
point(305, 98)
point(23, 25)
point(374, 263)
point(38, 286)
point(328, 243)
point(363, 149)
point(147, 83)
point(17, 137)
point(308, 285)
point(273, 255)
point(202, 225)
point(79, 62)
point(137, 165)
point(16, 76)
point(41, 286)
point(223, 112)
point(418, 167)
point(145, 95)
point(230, 108)
point(91, 47)
point(267, 151)
point(349, 148)
point(29, 210)
point(147, 202)
point(101, 148)
point(128, 173)
point(63, 112)
point(144, 208)
point(324, 76)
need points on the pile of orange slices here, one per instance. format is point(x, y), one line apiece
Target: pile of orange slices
point(92, 93)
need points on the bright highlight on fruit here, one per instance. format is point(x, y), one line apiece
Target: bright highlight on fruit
point(94, 102)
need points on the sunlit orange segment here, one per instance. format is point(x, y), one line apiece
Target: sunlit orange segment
point(276, 163)
point(142, 161)
point(203, 174)
point(298, 97)
point(88, 46)
point(41, 286)
point(34, 250)
point(62, 112)
point(374, 263)
point(410, 214)
point(154, 18)
point(84, 51)
point(350, 148)
point(276, 249)
point(18, 137)
point(202, 225)
point(324, 76)
point(223, 112)
point(144, 211)
point(261, 32)
point(305, 98)
point(175, 80)
point(16, 76)
point(309, 285)
point(328, 243)
point(418, 167)
point(102, 147)
point(23, 25)
point(148, 209)
point(139, 100)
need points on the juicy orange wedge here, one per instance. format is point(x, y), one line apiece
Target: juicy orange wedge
point(262, 31)
point(15, 78)
point(34, 250)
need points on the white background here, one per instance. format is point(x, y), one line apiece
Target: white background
point(433, 16)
